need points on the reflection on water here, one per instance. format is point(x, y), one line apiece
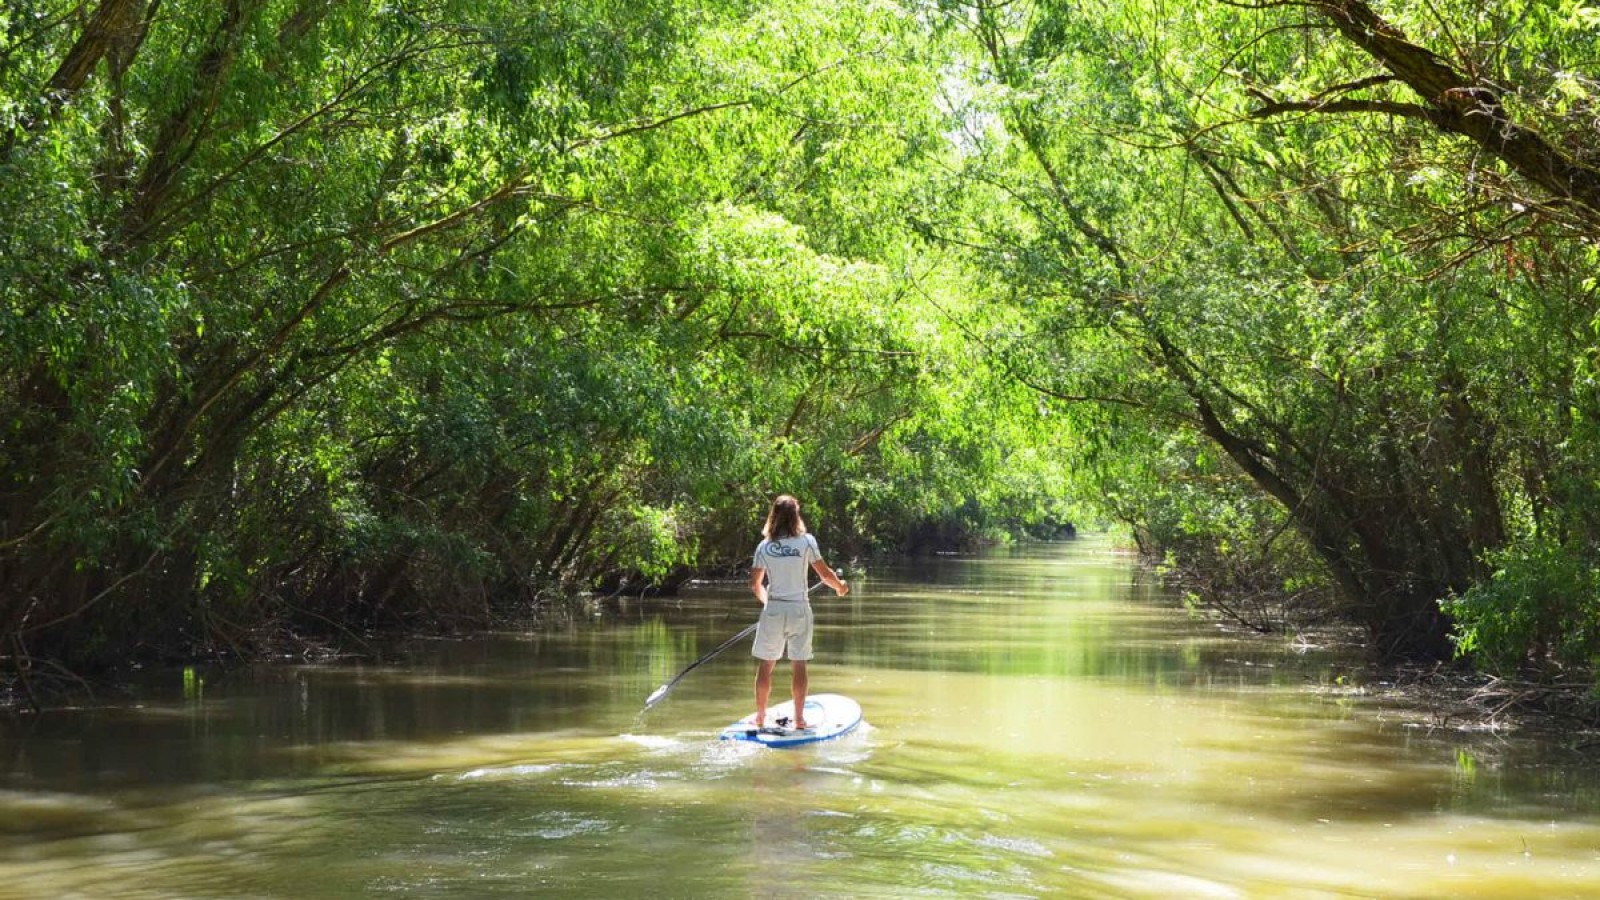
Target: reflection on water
point(1039, 724)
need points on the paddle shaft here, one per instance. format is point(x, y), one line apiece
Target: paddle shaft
point(661, 692)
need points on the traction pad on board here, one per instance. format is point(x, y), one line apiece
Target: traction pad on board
point(781, 728)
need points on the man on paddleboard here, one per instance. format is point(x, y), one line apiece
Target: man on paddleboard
point(778, 579)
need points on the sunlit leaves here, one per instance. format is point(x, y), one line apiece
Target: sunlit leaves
point(1228, 220)
point(356, 314)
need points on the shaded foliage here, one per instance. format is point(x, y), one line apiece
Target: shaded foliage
point(321, 316)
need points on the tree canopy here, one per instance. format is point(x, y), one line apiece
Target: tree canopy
point(319, 316)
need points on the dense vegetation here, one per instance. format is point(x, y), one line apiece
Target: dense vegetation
point(1347, 254)
point(319, 315)
point(323, 315)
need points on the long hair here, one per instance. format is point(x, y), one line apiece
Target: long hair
point(783, 521)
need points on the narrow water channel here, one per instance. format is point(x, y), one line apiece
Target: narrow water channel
point(1039, 725)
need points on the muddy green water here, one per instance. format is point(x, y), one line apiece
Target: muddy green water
point(1039, 725)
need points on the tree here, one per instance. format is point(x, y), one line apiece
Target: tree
point(321, 316)
point(1301, 292)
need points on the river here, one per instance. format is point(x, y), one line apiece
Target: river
point(1040, 723)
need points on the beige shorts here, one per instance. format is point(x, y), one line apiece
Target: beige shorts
point(784, 624)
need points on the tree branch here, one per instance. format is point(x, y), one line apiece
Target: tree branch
point(1384, 107)
point(1462, 105)
point(111, 20)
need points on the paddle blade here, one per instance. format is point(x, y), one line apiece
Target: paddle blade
point(655, 696)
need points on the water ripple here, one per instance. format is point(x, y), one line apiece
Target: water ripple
point(518, 771)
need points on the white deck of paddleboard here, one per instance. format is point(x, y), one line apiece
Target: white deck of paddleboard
point(827, 716)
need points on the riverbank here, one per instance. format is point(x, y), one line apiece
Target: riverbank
point(1452, 695)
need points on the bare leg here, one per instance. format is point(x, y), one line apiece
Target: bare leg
point(800, 683)
point(763, 688)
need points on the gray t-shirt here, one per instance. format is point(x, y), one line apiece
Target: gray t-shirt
point(787, 561)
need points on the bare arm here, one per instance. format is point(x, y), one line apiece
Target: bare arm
point(758, 584)
point(830, 578)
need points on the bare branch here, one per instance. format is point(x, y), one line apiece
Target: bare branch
point(1384, 107)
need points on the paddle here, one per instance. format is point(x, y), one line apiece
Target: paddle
point(661, 692)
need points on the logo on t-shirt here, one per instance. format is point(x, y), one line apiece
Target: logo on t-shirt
point(777, 549)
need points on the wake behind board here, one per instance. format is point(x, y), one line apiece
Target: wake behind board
point(827, 716)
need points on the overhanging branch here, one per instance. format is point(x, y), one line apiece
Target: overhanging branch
point(1464, 105)
point(1347, 105)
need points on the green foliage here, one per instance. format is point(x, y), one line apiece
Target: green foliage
point(1336, 316)
point(329, 315)
point(1540, 608)
point(332, 316)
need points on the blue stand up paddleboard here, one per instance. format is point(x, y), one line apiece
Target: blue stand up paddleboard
point(827, 716)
